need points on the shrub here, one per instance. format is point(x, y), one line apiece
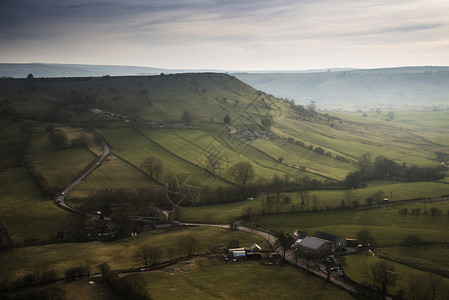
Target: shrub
point(411, 240)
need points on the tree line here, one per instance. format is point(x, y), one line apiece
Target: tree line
point(384, 168)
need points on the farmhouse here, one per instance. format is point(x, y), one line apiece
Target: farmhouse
point(298, 234)
point(339, 243)
point(314, 244)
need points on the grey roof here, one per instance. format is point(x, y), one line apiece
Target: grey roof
point(255, 247)
point(326, 236)
point(312, 242)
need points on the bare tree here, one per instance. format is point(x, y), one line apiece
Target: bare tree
point(190, 243)
point(5, 280)
point(381, 275)
point(242, 172)
point(302, 185)
point(285, 242)
point(424, 287)
point(187, 243)
point(348, 197)
point(212, 161)
point(277, 184)
point(153, 166)
point(148, 255)
point(378, 196)
point(324, 265)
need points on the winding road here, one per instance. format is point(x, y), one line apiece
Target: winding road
point(341, 282)
point(60, 199)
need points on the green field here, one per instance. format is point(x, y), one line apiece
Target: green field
point(214, 279)
point(58, 167)
point(410, 138)
point(113, 173)
point(119, 254)
point(28, 215)
point(386, 224)
point(356, 265)
point(224, 213)
point(134, 147)
point(424, 256)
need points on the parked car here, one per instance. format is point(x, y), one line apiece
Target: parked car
point(340, 272)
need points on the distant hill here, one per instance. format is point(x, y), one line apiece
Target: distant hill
point(331, 89)
point(393, 88)
point(72, 70)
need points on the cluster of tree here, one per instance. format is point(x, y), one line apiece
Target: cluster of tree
point(77, 272)
point(382, 275)
point(47, 293)
point(47, 189)
point(132, 286)
point(384, 168)
point(59, 138)
point(43, 273)
point(153, 166)
point(148, 255)
point(434, 211)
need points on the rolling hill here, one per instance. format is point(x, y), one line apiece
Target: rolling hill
point(366, 89)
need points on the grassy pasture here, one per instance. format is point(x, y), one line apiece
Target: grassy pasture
point(113, 173)
point(411, 137)
point(213, 279)
point(386, 224)
point(299, 156)
point(356, 135)
point(189, 144)
point(58, 167)
point(264, 164)
point(431, 256)
point(224, 213)
point(356, 265)
point(134, 147)
point(25, 212)
point(119, 254)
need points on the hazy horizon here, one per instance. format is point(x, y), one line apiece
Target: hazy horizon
point(223, 35)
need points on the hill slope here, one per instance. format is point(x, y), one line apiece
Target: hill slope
point(394, 88)
point(276, 136)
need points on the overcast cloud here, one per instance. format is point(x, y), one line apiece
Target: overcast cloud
point(225, 34)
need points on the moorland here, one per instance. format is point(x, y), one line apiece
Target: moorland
point(178, 144)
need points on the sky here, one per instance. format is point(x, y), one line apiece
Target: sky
point(227, 34)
